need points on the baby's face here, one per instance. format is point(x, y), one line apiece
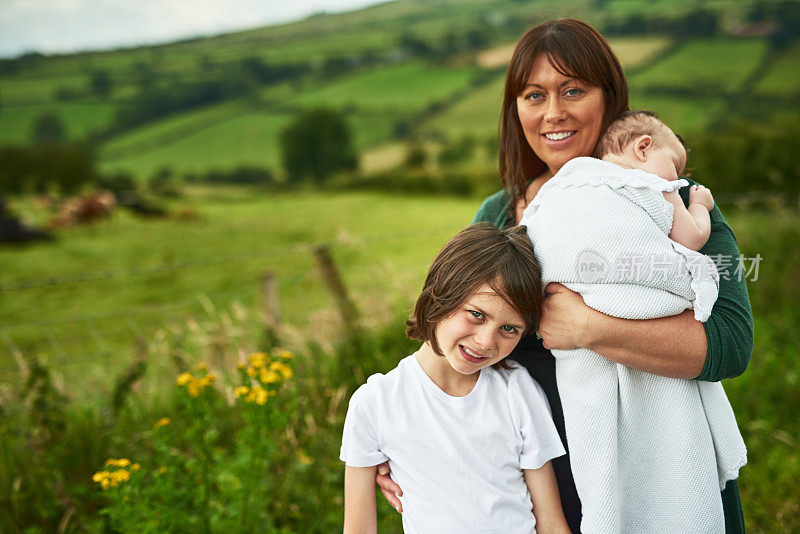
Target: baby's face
point(667, 159)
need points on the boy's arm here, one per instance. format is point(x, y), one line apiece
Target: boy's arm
point(546, 500)
point(359, 500)
point(691, 226)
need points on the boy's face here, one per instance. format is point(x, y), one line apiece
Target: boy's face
point(480, 333)
point(666, 159)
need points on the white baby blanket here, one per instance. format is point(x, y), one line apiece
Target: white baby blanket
point(648, 453)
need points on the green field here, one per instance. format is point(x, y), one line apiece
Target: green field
point(704, 66)
point(395, 89)
point(79, 119)
point(236, 237)
point(782, 80)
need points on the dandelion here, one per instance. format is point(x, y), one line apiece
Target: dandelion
point(164, 421)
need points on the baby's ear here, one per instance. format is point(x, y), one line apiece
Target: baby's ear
point(641, 146)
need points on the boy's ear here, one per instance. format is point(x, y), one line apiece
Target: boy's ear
point(641, 146)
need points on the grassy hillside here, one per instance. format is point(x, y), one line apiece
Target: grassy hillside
point(404, 67)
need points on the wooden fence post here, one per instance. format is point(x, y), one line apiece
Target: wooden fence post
point(272, 308)
point(333, 282)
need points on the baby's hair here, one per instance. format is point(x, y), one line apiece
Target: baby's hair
point(480, 254)
point(628, 127)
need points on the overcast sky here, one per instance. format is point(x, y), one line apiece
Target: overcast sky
point(73, 25)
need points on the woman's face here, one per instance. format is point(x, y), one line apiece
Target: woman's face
point(562, 117)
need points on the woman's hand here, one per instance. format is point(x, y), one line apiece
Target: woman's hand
point(389, 488)
point(565, 318)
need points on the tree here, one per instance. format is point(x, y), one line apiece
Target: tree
point(100, 83)
point(316, 145)
point(48, 130)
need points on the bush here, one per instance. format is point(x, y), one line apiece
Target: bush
point(42, 168)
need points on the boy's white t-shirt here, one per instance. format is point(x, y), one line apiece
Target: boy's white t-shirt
point(459, 460)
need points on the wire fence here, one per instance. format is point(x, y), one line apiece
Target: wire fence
point(89, 339)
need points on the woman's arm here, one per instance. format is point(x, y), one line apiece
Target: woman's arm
point(359, 500)
point(546, 501)
point(670, 346)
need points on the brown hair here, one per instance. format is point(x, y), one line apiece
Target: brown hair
point(574, 49)
point(629, 126)
point(479, 254)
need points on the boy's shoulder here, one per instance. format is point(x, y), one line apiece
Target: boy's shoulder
point(383, 384)
point(518, 383)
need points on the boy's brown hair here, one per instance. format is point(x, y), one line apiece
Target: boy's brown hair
point(628, 127)
point(479, 254)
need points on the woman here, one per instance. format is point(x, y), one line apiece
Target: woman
point(564, 86)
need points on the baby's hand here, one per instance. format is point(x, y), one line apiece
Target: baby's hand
point(701, 195)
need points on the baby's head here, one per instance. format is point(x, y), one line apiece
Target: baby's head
point(482, 293)
point(639, 140)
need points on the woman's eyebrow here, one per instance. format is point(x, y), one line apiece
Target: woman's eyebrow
point(562, 84)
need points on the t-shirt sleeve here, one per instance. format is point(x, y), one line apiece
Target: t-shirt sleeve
point(729, 329)
point(531, 411)
point(360, 443)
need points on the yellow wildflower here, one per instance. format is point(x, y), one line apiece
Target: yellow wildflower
point(241, 365)
point(122, 462)
point(258, 395)
point(258, 359)
point(184, 378)
point(100, 475)
point(120, 475)
point(194, 388)
point(135, 467)
point(252, 371)
point(268, 376)
point(282, 353)
point(162, 470)
point(202, 366)
point(164, 421)
point(241, 391)
point(282, 368)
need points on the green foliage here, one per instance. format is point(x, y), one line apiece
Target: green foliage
point(101, 84)
point(743, 159)
point(42, 168)
point(48, 130)
point(316, 145)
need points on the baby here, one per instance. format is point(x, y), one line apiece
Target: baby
point(648, 453)
point(639, 140)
